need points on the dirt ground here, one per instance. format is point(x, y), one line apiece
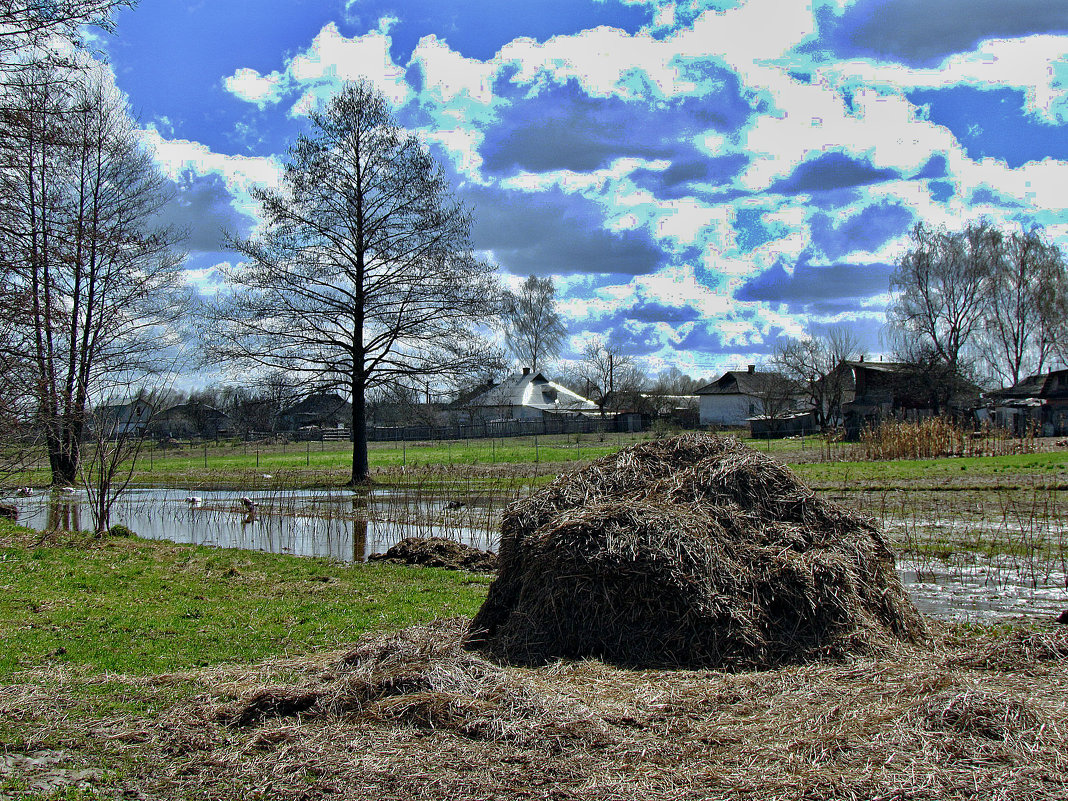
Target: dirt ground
point(413, 715)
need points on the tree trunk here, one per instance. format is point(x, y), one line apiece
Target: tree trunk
point(361, 471)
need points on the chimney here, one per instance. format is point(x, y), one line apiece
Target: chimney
point(526, 371)
point(752, 369)
point(862, 358)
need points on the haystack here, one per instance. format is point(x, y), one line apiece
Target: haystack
point(695, 551)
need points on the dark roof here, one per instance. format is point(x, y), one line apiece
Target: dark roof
point(739, 382)
point(1053, 384)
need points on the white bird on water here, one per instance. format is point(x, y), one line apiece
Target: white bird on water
point(248, 503)
point(194, 500)
point(24, 492)
point(267, 475)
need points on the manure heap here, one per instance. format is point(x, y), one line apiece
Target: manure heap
point(695, 551)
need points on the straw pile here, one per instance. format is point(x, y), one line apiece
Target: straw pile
point(437, 552)
point(422, 677)
point(693, 551)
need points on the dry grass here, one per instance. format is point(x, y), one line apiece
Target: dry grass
point(938, 437)
point(695, 551)
point(413, 715)
point(438, 552)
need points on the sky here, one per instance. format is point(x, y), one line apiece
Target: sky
point(701, 178)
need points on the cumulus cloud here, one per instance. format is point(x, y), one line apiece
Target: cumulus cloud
point(731, 172)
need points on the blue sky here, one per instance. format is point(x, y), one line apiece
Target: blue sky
point(700, 177)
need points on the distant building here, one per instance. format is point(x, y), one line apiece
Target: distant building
point(129, 418)
point(523, 396)
point(1038, 400)
point(877, 391)
point(738, 395)
point(318, 410)
point(193, 419)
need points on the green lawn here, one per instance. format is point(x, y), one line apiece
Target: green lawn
point(1028, 466)
point(141, 607)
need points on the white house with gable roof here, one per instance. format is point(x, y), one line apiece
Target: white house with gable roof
point(524, 396)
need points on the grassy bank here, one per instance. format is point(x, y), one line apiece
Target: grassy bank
point(142, 607)
point(330, 463)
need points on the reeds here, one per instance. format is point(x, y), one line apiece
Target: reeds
point(938, 437)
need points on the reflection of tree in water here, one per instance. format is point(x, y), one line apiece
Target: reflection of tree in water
point(64, 514)
point(359, 540)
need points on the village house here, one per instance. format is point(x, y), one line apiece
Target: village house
point(193, 419)
point(318, 410)
point(125, 419)
point(1039, 400)
point(523, 396)
point(738, 395)
point(875, 391)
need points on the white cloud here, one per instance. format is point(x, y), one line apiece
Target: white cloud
point(240, 173)
point(317, 72)
point(249, 85)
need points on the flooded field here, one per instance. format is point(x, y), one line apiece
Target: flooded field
point(336, 524)
point(981, 563)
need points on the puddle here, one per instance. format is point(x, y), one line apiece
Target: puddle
point(334, 524)
point(983, 590)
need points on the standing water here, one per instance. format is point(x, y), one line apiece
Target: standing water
point(348, 526)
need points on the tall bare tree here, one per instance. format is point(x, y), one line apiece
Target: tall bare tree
point(363, 273)
point(1025, 305)
point(96, 279)
point(814, 366)
point(607, 375)
point(942, 287)
point(534, 329)
point(35, 32)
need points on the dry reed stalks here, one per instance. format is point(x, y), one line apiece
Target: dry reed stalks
point(413, 715)
point(937, 437)
point(691, 551)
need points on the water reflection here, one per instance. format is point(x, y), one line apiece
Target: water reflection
point(64, 514)
point(301, 523)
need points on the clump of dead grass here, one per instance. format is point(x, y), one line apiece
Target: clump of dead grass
point(438, 552)
point(918, 722)
point(420, 677)
point(691, 551)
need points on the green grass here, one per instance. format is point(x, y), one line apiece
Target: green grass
point(1021, 466)
point(141, 607)
point(330, 463)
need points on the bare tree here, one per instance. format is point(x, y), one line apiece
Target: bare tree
point(943, 286)
point(607, 376)
point(672, 391)
point(363, 273)
point(534, 329)
point(97, 281)
point(110, 457)
point(815, 367)
point(38, 32)
point(1024, 305)
point(777, 394)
